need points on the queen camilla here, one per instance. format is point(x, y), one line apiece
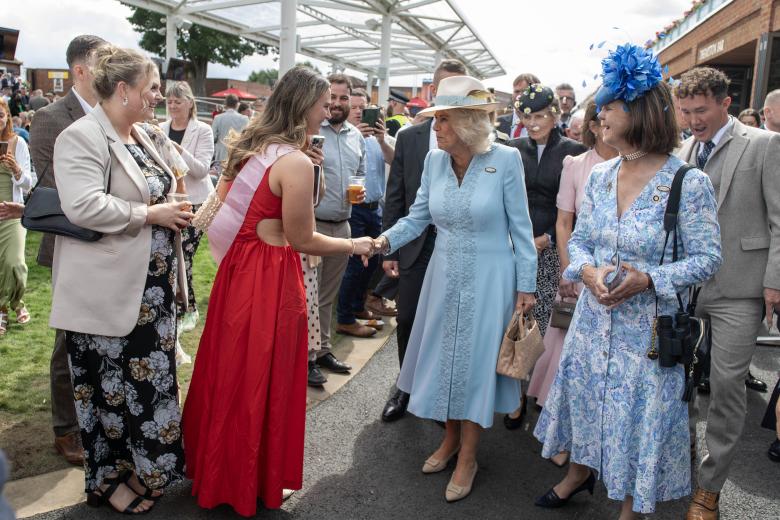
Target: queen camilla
point(472, 190)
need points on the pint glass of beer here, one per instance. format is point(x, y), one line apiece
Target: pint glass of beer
point(356, 185)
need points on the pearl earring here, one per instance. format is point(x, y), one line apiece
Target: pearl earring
point(124, 102)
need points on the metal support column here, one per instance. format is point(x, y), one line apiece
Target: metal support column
point(288, 36)
point(384, 59)
point(171, 37)
point(370, 86)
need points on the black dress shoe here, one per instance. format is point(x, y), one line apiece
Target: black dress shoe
point(774, 451)
point(704, 386)
point(515, 423)
point(396, 406)
point(551, 500)
point(330, 362)
point(754, 384)
point(316, 377)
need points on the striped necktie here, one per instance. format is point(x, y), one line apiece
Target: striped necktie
point(701, 160)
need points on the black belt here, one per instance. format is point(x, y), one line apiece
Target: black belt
point(331, 221)
point(369, 205)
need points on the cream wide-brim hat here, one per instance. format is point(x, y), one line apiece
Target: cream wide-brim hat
point(461, 92)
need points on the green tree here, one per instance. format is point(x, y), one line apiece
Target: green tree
point(199, 45)
point(270, 76)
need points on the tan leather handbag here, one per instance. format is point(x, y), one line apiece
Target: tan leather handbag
point(521, 347)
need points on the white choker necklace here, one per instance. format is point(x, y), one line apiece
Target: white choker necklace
point(633, 156)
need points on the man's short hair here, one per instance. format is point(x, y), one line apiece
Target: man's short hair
point(773, 98)
point(231, 101)
point(528, 78)
point(361, 93)
point(242, 107)
point(704, 81)
point(451, 66)
point(564, 86)
point(81, 47)
point(341, 79)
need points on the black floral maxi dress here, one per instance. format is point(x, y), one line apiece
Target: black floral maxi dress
point(125, 387)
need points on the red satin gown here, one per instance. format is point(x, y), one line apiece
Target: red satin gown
point(245, 411)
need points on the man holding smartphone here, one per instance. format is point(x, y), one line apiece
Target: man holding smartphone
point(366, 220)
point(344, 157)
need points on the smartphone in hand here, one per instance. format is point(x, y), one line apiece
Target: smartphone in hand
point(3, 147)
point(370, 116)
point(317, 141)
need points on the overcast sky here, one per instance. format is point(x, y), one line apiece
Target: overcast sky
point(553, 44)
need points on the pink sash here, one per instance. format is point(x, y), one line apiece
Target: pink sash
point(230, 217)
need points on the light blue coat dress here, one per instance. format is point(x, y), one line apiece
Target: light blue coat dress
point(613, 408)
point(470, 287)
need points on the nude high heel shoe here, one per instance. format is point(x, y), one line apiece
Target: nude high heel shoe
point(455, 492)
point(435, 465)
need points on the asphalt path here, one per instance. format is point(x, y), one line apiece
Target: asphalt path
point(357, 467)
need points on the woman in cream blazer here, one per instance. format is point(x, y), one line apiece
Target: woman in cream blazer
point(115, 297)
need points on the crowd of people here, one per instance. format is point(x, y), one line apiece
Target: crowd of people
point(462, 218)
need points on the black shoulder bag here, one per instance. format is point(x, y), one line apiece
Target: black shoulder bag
point(679, 338)
point(43, 212)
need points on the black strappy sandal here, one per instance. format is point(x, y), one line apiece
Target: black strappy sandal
point(102, 496)
point(147, 494)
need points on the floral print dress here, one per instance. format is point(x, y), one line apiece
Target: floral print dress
point(614, 409)
point(125, 387)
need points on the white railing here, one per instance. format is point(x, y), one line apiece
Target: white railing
point(690, 22)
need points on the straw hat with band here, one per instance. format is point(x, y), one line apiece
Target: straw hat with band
point(461, 92)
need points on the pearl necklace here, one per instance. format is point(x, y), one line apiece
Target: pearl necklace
point(633, 156)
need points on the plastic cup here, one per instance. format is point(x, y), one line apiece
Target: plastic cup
point(356, 186)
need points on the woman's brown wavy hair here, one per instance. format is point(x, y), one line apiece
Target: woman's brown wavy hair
point(282, 122)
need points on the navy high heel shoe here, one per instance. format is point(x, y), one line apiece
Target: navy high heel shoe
point(551, 500)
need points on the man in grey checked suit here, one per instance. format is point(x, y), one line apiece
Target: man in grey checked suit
point(228, 120)
point(742, 163)
point(48, 123)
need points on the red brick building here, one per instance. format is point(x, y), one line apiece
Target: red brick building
point(739, 37)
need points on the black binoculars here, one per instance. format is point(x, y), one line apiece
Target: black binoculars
point(675, 343)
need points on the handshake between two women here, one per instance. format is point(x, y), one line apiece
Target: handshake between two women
point(367, 247)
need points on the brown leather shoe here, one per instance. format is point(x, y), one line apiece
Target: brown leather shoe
point(704, 506)
point(365, 314)
point(378, 306)
point(69, 446)
point(355, 329)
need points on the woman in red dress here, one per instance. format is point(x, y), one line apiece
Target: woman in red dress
point(245, 410)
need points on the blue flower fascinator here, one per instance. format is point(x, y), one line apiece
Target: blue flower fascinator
point(628, 73)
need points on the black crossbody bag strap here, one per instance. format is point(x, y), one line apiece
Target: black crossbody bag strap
point(670, 224)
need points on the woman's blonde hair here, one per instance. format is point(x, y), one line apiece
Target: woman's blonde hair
point(473, 127)
point(182, 90)
point(8, 131)
point(114, 65)
point(282, 122)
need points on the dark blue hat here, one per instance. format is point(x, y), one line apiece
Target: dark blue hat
point(534, 98)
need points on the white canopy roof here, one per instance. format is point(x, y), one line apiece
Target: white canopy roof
point(348, 33)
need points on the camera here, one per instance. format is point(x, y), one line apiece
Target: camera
point(675, 343)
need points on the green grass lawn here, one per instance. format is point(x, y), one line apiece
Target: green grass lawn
point(25, 352)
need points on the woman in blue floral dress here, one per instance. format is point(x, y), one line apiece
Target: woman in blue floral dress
point(619, 413)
